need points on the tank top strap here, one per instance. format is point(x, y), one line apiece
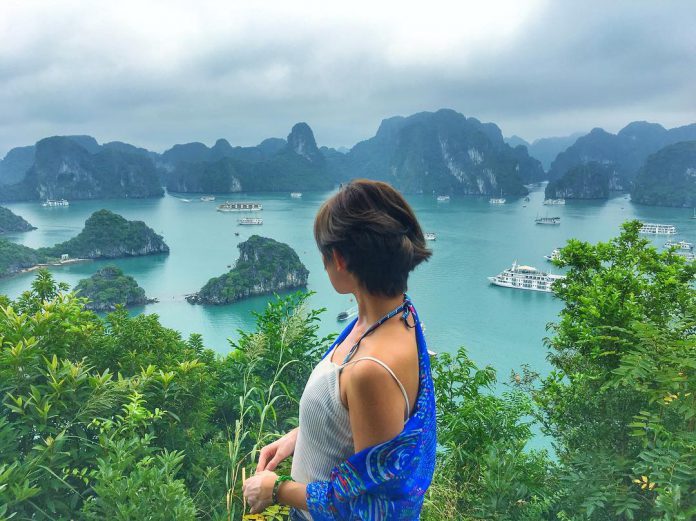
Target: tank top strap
point(389, 370)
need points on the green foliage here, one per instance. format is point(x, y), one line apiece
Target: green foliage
point(9, 222)
point(108, 235)
point(108, 288)
point(15, 257)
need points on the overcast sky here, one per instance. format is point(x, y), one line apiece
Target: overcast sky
point(155, 73)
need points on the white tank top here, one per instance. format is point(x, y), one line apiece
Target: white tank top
point(325, 438)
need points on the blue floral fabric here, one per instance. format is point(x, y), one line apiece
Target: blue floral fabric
point(387, 481)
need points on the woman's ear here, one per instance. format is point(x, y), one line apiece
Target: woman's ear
point(338, 260)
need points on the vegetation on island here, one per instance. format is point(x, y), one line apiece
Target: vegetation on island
point(16, 257)
point(11, 222)
point(123, 418)
point(588, 181)
point(110, 287)
point(668, 177)
point(264, 266)
point(109, 235)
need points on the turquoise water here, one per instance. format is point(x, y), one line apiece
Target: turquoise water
point(499, 326)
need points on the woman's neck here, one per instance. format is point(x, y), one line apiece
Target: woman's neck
point(371, 308)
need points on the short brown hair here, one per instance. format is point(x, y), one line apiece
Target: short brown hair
point(373, 227)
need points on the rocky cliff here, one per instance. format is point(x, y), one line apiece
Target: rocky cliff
point(107, 235)
point(77, 167)
point(10, 222)
point(445, 153)
point(590, 181)
point(110, 287)
point(264, 266)
point(668, 177)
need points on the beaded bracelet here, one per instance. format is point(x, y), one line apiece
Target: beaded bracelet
point(276, 486)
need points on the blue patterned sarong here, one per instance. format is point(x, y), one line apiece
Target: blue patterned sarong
point(387, 481)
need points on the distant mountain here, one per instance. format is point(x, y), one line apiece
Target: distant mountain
point(546, 149)
point(668, 177)
point(590, 181)
point(274, 165)
point(198, 152)
point(442, 152)
point(77, 167)
point(515, 141)
point(623, 153)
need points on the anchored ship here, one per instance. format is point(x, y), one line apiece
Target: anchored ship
point(443, 198)
point(548, 220)
point(497, 200)
point(555, 254)
point(229, 206)
point(345, 315)
point(250, 220)
point(296, 195)
point(658, 229)
point(53, 203)
point(430, 236)
point(552, 202)
point(526, 278)
point(207, 198)
point(681, 245)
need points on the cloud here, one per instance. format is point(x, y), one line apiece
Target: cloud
point(157, 73)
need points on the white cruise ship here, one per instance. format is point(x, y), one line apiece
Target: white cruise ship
point(430, 236)
point(250, 220)
point(296, 195)
point(681, 245)
point(497, 200)
point(229, 206)
point(555, 254)
point(658, 229)
point(54, 203)
point(552, 202)
point(525, 277)
point(207, 198)
point(548, 220)
point(443, 198)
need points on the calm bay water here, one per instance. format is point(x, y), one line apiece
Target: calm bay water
point(499, 326)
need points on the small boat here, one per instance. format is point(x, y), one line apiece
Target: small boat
point(681, 245)
point(296, 195)
point(55, 203)
point(430, 236)
point(250, 221)
point(229, 206)
point(497, 200)
point(526, 199)
point(236, 234)
point(658, 229)
point(345, 315)
point(552, 202)
point(548, 220)
point(207, 198)
point(184, 200)
point(443, 198)
point(555, 254)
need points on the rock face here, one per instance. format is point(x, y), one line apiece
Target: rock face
point(624, 153)
point(107, 235)
point(10, 222)
point(274, 165)
point(668, 177)
point(264, 266)
point(590, 181)
point(14, 166)
point(70, 168)
point(109, 287)
point(15, 258)
point(442, 152)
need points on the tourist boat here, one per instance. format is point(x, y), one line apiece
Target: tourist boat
point(525, 277)
point(54, 203)
point(681, 245)
point(555, 254)
point(229, 206)
point(443, 198)
point(497, 200)
point(658, 229)
point(207, 198)
point(552, 202)
point(345, 315)
point(430, 236)
point(689, 256)
point(548, 220)
point(250, 220)
point(296, 195)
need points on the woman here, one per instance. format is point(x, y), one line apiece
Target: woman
point(365, 447)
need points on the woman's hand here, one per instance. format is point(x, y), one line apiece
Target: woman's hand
point(271, 455)
point(258, 490)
